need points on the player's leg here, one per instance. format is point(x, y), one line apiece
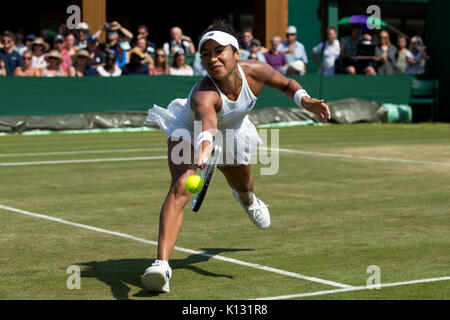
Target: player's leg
point(240, 180)
point(172, 211)
point(156, 277)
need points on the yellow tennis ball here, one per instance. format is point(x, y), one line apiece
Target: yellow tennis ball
point(194, 184)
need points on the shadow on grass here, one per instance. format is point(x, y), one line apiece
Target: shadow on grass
point(118, 273)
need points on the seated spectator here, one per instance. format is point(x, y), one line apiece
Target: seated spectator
point(329, 50)
point(141, 43)
point(136, 65)
point(349, 47)
point(11, 58)
point(254, 52)
point(98, 58)
point(82, 63)
point(179, 66)
point(20, 47)
point(26, 69)
point(53, 68)
point(275, 58)
point(292, 48)
point(197, 65)
point(114, 32)
point(178, 41)
point(58, 44)
point(385, 54)
point(366, 66)
point(400, 59)
point(161, 65)
point(82, 33)
point(2, 68)
point(121, 50)
point(110, 69)
point(29, 40)
point(415, 56)
point(69, 44)
point(142, 32)
point(246, 39)
point(39, 47)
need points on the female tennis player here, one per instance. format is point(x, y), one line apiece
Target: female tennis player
point(221, 100)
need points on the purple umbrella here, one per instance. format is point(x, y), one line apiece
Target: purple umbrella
point(361, 20)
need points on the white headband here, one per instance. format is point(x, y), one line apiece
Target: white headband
point(220, 37)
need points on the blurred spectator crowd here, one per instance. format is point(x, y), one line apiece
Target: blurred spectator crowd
point(79, 53)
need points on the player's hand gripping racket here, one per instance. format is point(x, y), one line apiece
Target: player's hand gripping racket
point(207, 173)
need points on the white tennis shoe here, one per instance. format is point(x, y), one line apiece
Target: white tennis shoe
point(257, 212)
point(156, 277)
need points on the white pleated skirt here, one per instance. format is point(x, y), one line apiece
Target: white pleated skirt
point(238, 140)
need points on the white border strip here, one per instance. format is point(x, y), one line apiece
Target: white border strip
point(155, 243)
point(32, 163)
point(349, 156)
point(57, 153)
point(381, 285)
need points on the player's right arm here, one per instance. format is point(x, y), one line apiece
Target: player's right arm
point(204, 103)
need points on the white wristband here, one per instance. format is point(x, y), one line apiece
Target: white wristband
point(299, 95)
point(203, 136)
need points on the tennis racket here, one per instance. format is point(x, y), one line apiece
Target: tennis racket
point(206, 174)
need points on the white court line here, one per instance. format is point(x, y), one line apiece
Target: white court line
point(57, 153)
point(31, 163)
point(349, 156)
point(381, 285)
point(155, 243)
point(311, 153)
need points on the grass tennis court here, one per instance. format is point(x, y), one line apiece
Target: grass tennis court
point(345, 198)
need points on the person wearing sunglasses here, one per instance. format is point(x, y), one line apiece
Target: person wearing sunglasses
point(11, 58)
point(113, 30)
point(27, 69)
point(415, 56)
point(161, 65)
point(385, 54)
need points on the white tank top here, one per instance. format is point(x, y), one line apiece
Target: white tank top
point(233, 112)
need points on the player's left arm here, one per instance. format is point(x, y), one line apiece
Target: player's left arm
point(292, 88)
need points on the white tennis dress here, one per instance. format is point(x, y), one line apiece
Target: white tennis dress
point(237, 135)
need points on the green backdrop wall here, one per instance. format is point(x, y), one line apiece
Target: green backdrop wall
point(43, 96)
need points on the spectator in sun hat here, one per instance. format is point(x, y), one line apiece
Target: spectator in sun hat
point(53, 68)
point(39, 47)
point(82, 60)
point(136, 65)
point(98, 57)
point(82, 33)
point(58, 44)
point(293, 49)
point(11, 58)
